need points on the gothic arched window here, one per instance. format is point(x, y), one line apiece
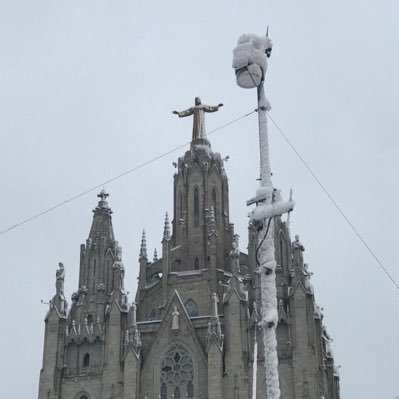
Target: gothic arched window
point(196, 264)
point(192, 308)
point(86, 360)
point(177, 372)
point(164, 391)
point(152, 315)
point(196, 207)
point(180, 205)
point(190, 389)
point(214, 201)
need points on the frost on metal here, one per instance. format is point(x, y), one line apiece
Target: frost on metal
point(250, 64)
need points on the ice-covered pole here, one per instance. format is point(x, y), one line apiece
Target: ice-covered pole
point(250, 64)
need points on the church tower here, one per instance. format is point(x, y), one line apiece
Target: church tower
point(192, 330)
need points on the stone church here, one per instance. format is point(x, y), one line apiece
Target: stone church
point(190, 331)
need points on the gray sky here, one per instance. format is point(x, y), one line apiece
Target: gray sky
point(87, 90)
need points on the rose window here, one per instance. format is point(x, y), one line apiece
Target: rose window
point(177, 372)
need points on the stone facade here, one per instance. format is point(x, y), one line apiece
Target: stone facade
point(191, 329)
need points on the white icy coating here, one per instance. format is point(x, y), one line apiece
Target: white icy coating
point(268, 309)
point(268, 211)
point(203, 147)
point(255, 367)
point(251, 50)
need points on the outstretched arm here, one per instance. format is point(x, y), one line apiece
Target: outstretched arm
point(212, 108)
point(187, 112)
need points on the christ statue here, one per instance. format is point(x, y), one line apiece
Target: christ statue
point(198, 110)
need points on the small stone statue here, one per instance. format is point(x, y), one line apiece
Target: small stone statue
point(59, 279)
point(175, 319)
point(297, 244)
point(199, 117)
point(235, 254)
point(119, 268)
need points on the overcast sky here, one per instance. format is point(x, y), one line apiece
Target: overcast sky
point(87, 90)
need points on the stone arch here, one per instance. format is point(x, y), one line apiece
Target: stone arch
point(82, 395)
point(192, 308)
point(86, 360)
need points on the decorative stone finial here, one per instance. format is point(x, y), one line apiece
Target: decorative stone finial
point(214, 333)
point(102, 204)
point(212, 217)
point(166, 230)
point(155, 258)
point(143, 247)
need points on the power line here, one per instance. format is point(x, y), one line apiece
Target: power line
point(354, 229)
point(14, 226)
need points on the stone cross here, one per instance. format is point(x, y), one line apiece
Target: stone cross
point(198, 110)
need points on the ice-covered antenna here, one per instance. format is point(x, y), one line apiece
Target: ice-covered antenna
point(250, 64)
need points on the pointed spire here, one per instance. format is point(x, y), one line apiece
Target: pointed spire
point(155, 259)
point(214, 333)
point(166, 230)
point(143, 247)
point(102, 224)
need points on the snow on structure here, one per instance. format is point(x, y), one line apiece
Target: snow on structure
point(250, 64)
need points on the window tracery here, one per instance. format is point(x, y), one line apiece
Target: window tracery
point(177, 373)
point(192, 308)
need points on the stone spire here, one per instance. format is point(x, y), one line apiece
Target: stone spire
point(166, 230)
point(214, 334)
point(143, 247)
point(102, 222)
point(155, 258)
